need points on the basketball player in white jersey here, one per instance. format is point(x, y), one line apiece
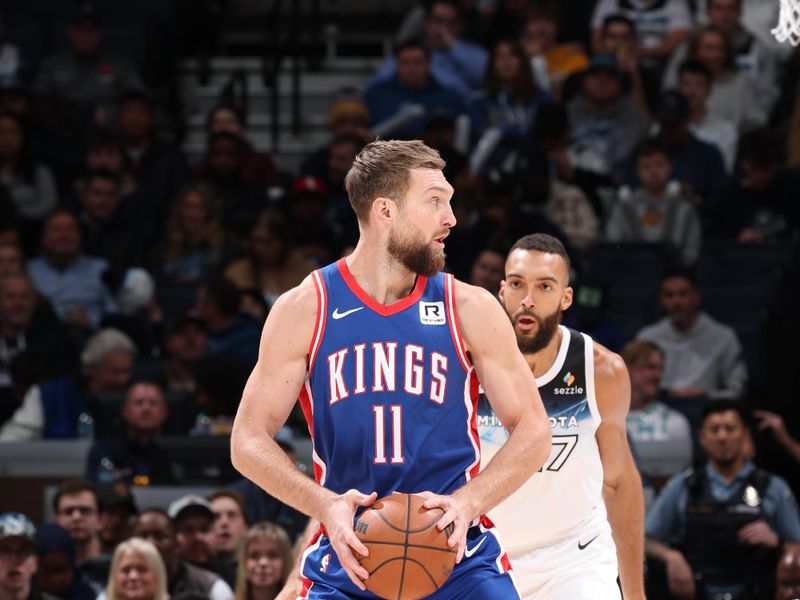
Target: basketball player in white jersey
point(578, 522)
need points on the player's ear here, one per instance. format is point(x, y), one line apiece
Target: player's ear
point(566, 299)
point(502, 293)
point(384, 209)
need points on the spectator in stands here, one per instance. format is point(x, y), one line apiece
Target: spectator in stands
point(194, 242)
point(718, 529)
point(85, 76)
point(618, 37)
point(265, 562)
point(230, 527)
point(17, 556)
point(655, 212)
point(510, 97)
point(30, 183)
point(29, 326)
point(57, 575)
point(702, 356)
point(108, 229)
point(193, 519)
point(137, 573)
point(661, 436)
point(239, 200)
point(733, 94)
point(157, 165)
point(185, 341)
point(272, 264)
point(540, 43)
point(412, 83)
point(602, 117)
point(105, 151)
point(753, 58)
point(257, 167)
point(220, 378)
point(455, 63)
point(134, 456)
point(252, 303)
point(773, 422)
point(311, 230)
point(50, 409)
point(788, 573)
point(183, 578)
point(488, 270)
point(696, 165)
point(76, 507)
point(761, 204)
point(12, 260)
point(70, 280)
point(117, 508)
point(694, 82)
point(660, 26)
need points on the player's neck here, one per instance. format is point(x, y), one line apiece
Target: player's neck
point(384, 279)
point(541, 361)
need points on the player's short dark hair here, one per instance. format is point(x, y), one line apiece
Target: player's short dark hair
point(617, 18)
point(651, 147)
point(542, 242)
point(696, 67)
point(680, 271)
point(72, 487)
point(713, 407)
point(411, 44)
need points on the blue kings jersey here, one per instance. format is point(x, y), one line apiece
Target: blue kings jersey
point(390, 397)
point(565, 498)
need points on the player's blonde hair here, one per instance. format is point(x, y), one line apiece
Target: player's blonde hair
point(383, 170)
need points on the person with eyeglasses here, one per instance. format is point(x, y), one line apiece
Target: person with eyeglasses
point(18, 560)
point(76, 509)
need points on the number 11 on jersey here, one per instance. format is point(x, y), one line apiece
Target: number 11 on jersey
point(396, 434)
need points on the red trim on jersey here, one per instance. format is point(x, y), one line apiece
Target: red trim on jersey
point(474, 393)
point(452, 320)
point(306, 405)
point(384, 311)
point(319, 325)
point(306, 588)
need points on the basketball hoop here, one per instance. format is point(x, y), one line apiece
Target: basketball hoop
point(788, 28)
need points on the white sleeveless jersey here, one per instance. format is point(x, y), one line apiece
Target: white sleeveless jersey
point(565, 498)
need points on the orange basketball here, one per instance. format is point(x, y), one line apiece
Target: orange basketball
point(408, 556)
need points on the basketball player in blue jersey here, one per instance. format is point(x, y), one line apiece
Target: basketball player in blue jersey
point(384, 353)
point(578, 522)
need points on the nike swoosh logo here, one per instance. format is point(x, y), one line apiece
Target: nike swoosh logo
point(582, 546)
point(470, 551)
point(341, 315)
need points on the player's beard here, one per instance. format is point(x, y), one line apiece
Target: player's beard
point(415, 255)
point(547, 327)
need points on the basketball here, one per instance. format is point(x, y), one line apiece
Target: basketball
point(408, 556)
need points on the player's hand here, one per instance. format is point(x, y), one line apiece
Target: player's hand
point(338, 521)
point(758, 533)
point(680, 576)
point(455, 512)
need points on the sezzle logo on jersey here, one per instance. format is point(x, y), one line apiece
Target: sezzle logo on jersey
point(570, 390)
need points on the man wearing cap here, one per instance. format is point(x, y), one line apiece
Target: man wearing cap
point(84, 75)
point(193, 518)
point(183, 579)
point(136, 457)
point(17, 556)
point(117, 507)
point(602, 117)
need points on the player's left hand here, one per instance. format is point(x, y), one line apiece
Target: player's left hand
point(455, 512)
point(758, 533)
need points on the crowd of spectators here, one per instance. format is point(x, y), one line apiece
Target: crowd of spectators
point(134, 282)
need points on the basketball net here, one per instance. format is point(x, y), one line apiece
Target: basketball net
point(788, 28)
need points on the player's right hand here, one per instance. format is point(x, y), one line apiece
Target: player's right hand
point(338, 520)
point(680, 576)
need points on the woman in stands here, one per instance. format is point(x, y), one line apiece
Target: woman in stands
point(137, 573)
point(265, 560)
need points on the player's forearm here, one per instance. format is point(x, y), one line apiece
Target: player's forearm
point(520, 457)
point(259, 458)
point(625, 506)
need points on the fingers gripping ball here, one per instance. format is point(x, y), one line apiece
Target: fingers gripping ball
point(408, 556)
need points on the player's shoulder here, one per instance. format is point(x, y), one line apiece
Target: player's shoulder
point(300, 300)
point(607, 364)
point(471, 298)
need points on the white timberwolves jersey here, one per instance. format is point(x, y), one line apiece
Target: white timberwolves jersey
point(565, 497)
